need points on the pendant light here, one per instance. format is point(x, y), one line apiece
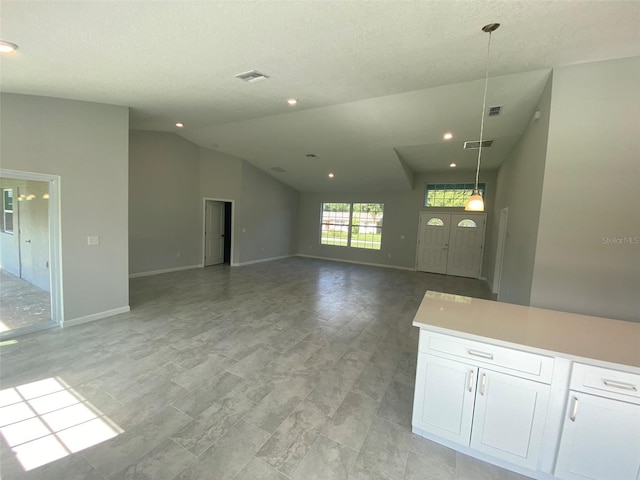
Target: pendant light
point(475, 202)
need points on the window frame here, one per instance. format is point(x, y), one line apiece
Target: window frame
point(452, 187)
point(8, 212)
point(350, 225)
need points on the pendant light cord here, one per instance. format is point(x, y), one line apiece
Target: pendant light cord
point(484, 105)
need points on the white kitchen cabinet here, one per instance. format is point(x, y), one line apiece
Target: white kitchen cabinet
point(444, 397)
point(601, 433)
point(495, 413)
point(509, 417)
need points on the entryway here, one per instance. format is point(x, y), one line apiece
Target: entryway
point(451, 243)
point(29, 259)
point(217, 231)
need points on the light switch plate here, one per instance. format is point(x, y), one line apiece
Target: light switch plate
point(93, 240)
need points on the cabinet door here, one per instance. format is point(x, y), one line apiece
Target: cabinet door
point(600, 440)
point(509, 418)
point(444, 397)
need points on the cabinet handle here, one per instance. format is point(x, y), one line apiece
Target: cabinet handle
point(574, 410)
point(483, 384)
point(477, 353)
point(622, 385)
point(471, 375)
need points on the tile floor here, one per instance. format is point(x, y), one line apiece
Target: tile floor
point(21, 303)
point(292, 369)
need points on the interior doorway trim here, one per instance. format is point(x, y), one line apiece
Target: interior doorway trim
point(500, 247)
point(204, 224)
point(55, 248)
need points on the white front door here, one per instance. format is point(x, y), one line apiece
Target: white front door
point(214, 233)
point(451, 243)
point(33, 219)
point(433, 243)
point(466, 237)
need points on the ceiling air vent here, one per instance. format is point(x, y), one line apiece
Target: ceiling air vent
point(471, 145)
point(252, 76)
point(278, 169)
point(495, 111)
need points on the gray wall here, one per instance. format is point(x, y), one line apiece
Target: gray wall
point(267, 217)
point(164, 220)
point(221, 178)
point(86, 144)
point(519, 188)
point(169, 179)
point(401, 216)
point(588, 257)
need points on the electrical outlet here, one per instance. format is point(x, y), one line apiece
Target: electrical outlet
point(177, 254)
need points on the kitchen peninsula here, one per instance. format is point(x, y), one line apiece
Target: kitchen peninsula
point(544, 393)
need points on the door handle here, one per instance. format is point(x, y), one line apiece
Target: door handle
point(574, 410)
point(470, 386)
point(483, 384)
point(622, 385)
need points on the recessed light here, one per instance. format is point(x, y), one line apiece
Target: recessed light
point(448, 136)
point(453, 165)
point(331, 175)
point(292, 101)
point(180, 125)
point(8, 47)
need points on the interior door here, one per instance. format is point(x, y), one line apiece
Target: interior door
point(214, 233)
point(466, 238)
point(433, 242)
point(33, 213)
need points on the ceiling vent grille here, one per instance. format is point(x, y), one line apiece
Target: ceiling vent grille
point(475, 144)
point(278, 169)
point(252, 76)
point(495, 111)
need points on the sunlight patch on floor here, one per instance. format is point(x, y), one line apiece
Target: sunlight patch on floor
point(47, 420)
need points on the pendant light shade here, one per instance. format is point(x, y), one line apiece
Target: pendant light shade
point(475, 202)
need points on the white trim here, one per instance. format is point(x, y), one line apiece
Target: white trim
point(96, 316)
point(55, 237)
point(262, 260)
point(164, 270)
point(204, 224)
point(357, 263)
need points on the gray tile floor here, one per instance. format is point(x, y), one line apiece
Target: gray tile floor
point(292, 369)
point(21, 303)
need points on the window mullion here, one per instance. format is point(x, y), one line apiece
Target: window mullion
point(350, 224)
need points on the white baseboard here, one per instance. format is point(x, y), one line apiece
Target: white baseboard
point(95, 316)
point(357, 263)
point(270, 259)
point(165, 270)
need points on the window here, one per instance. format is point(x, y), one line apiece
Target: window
point(7, 210)
point(357, 225)
point(467, 223)
point(435, 222)
point(449, 194)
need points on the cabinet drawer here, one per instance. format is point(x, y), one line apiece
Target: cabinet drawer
point(507, 360)
point(606, 382)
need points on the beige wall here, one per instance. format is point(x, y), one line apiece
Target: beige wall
point(588, 252)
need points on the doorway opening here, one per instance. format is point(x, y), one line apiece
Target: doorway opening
point(29, 253)
point(217, 232)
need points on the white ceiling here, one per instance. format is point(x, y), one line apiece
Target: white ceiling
point(378, 82)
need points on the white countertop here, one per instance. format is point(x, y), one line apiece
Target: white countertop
point(596, 338)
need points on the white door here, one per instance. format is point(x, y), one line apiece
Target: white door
point(451, 243)
point(444, 397)
point(509, 417)
point(214, 233)
point(433, 242)
point(466, 238)
point(600, 440)
point(33, 219)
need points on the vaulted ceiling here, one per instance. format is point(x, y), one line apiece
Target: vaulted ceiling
point(377, 82)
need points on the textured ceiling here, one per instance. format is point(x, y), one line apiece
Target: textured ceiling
point(378, 82)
